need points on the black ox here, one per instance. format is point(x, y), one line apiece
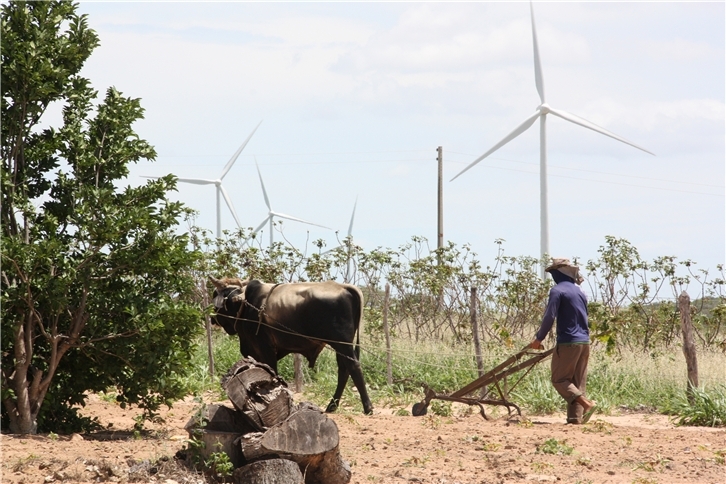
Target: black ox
point(272, 321)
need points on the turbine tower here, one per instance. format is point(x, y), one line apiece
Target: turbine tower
point(541, 113)
point(271, 214)
point(221, 192)
point(349, 239)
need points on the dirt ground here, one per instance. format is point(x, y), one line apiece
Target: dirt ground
point(388, 448)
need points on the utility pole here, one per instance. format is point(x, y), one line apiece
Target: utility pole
point(440, 231)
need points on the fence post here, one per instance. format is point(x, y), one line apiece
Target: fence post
point(689, 347)
point(210, 351)
point(297, 363)
point(475, 331)
point(208, 328)
point(389, 370)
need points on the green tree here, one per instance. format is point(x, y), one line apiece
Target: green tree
point(95, 282)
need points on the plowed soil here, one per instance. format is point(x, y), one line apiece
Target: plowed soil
point(388, 448)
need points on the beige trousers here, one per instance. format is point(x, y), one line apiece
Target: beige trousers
point(569, 376)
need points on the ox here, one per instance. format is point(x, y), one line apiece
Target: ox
point(274, 320)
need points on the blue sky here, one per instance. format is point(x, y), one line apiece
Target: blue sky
point(356, 97)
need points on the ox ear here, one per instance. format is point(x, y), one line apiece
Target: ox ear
point(216, 282)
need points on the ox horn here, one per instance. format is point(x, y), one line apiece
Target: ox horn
point(217, 283)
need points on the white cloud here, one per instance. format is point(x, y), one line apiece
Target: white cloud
point(680, 50)
point(649, 116)
point(459, 41)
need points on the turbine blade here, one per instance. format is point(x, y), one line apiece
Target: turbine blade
point(538, 79)
point(330, 250)
point(352, 217)
point(231, 161)
point(264, 192)
point(290, 217)
point(256, 230)
point(197, 181)
point(587, 124)
point(259, 227)
point(516, 132)
point(229, 204)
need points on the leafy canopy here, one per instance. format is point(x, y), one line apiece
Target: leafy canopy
point(96, 287)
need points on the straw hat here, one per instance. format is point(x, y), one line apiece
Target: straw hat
point(565, 266)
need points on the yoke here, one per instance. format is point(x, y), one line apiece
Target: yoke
point(510, 366)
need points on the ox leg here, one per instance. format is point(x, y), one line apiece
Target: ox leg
point(357, 374)
point(348, 364)
point(343, 374)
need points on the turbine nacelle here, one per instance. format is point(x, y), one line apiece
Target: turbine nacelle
point(544, 108)
point(271, 214)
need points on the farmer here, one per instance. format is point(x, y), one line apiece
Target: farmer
point(568, 305)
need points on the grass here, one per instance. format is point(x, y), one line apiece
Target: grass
point(617, 382)
point(707, 409)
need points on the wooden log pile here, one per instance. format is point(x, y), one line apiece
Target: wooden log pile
point(268, 438)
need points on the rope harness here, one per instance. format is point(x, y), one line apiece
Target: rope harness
point(282, 328)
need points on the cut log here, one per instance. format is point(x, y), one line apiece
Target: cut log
point(218, 427)
point(219, 418)
point(273, 471)
point(307, 437)
point(258, 393)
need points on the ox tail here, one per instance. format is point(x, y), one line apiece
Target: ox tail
point(357, 295)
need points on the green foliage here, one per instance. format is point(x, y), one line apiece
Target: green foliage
point(707, 408)
point(628, 307)
point(95, 284)
point(554, 447)
point(632, 300)
point(219, 465)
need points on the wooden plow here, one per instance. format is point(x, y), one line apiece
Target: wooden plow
point(512, 365)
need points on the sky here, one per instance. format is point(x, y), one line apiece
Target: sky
point(355, 98)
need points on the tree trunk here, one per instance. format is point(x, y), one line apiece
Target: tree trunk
point(19, 408)
point(273, 471)
point(689, 346)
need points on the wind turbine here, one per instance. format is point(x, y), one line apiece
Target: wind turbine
point(349, 239)
point(271, 214)
point(541, 113)
point(221, 192)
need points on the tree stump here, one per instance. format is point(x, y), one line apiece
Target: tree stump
point(273, 471)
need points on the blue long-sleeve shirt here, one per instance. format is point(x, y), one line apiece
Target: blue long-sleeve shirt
point(568, 305)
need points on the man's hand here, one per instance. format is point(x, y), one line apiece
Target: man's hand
point(536, 344)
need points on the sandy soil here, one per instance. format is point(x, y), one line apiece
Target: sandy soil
point(387, 448)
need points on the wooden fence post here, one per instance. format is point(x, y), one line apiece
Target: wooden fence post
point(297, 363)
point(389, 370)
point(689, 346)
point(475, 331)
point(208, 328)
